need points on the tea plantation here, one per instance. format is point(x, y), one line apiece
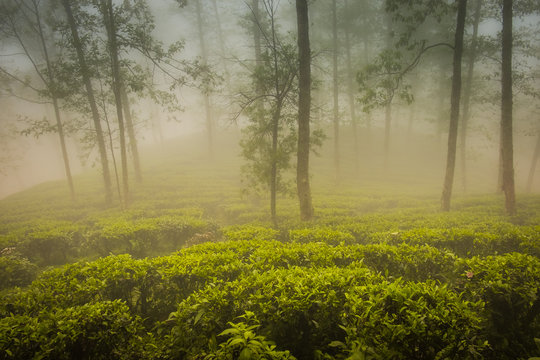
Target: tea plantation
point(194, 270)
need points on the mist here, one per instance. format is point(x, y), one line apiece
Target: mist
point(269, 179)
point(416, 137)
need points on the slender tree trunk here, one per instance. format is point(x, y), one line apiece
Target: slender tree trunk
point(256, 32)
point(257, 49)
point(273, 169)
point(507, 146)
point(56, 107)
point(387, 127)
point(454, 106)
point(535, 158)
point(61, 135)
point(275, 127)
point(467, 94)
point(110, 24)
point(206, 92)
point(390, 98)
point(113, 157)
point(350, 95)
point(304, 105)
point(366, 62)
point(131, 135)
point(442, 94)
point(335, 90)
point(85, 73)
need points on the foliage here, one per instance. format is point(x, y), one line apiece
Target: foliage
point(95, 331)
point(411, 321)
point(15, 270)
point(245, 344)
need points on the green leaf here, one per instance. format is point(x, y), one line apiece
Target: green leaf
point(337, 344)
point(245, 354)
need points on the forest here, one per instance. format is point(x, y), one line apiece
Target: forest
point(269, 179)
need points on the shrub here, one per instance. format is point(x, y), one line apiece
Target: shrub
point(250, 232)
point(410, 321)
point(326, 235)
point(16, 271)
point(297, 308)
point(95, 331)
point(509, 285)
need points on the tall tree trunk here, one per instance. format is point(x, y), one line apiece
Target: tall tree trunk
point(206, 92)
point(304, 105)
point(507, 146)
point(350, 94)
point(110, 25)
point(113, 157)
point(51, 81)
point(335, 88)
point(275, 126)
point(442, 96)
point(131, 135)
point(534, 161)
point(467, 94)
point(274, 169)
point(387, 127)
point(454, 106)
point(85, 73)
point(61, 135)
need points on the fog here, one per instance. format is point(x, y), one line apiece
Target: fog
point(211, 93)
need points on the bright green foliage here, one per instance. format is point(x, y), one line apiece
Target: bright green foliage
point(95, 331)
point(297, 307)
point(245, 344)
point(375, 276)
point(327, 235)
point(509, 285)
point(250, 232)
point(410, 321)
point(15, 270)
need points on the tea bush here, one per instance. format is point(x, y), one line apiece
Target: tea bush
point(103, 330)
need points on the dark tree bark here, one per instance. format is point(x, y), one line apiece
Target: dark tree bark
point(532, 170)
point(454, 106)
point(350, 95)
point(132, 136)
point(304, 105)
point(387, 132)
point(335, 89)
point(110, 25)
point(507, 146)
point(467, 94)
point(85, 73)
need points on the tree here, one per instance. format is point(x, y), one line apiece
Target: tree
point(534, 162)
point(22, 21)
point(472, 54)
point(507, 151)
point(454, 106)
point(107, 12)
point(335, 90)
point(304, 106)
point(86, 76)
point(269, 139)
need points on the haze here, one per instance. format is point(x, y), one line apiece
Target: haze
point(362, 149)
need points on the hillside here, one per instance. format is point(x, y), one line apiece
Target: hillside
point(193, 269)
